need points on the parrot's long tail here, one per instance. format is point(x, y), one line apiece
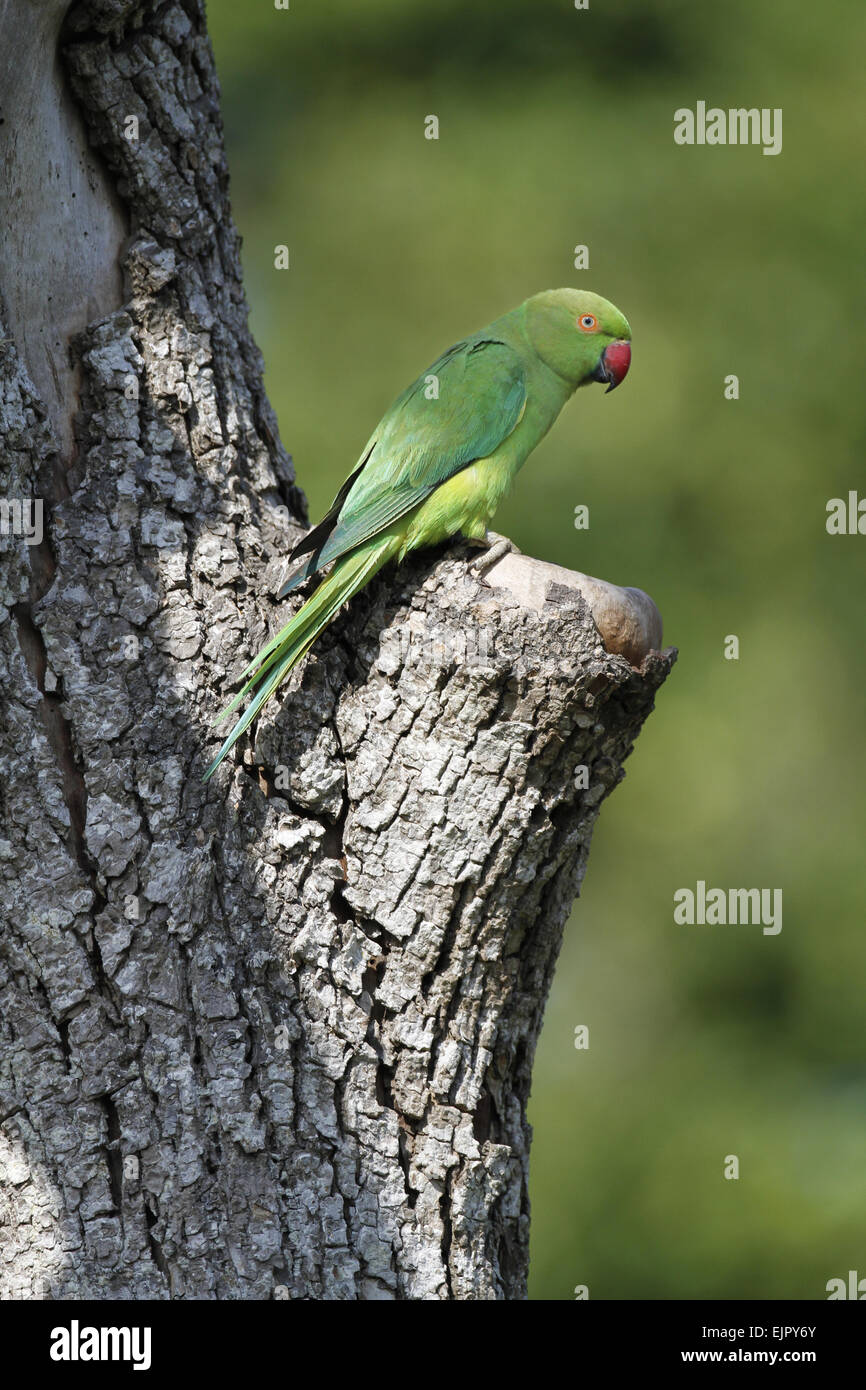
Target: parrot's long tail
point(283, 652)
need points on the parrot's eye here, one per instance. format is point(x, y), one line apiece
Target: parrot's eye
point(588, 322)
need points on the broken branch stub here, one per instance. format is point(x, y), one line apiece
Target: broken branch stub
point(628, 621)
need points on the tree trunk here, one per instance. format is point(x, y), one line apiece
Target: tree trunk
point(269, 1037)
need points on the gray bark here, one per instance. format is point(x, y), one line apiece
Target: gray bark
point(271, 1037)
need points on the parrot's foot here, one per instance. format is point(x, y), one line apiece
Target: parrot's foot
point(497, 546)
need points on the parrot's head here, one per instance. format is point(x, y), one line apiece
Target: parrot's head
point(581, 336)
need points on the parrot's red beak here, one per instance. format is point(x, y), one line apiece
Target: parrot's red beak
point(614, 364)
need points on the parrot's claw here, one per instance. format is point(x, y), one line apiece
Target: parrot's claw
point(497, 546)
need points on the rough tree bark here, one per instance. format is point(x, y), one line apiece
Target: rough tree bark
point(271, 1037)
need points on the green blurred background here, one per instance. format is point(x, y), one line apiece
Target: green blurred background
point(556, 129)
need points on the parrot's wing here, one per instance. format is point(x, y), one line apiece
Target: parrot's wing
point(461, 409)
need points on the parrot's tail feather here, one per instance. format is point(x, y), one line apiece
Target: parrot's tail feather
point(283, 652)
point(300, 577)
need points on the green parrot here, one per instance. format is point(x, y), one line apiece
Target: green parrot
point(441, 458)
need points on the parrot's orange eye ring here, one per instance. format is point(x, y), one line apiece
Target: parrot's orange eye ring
point(587, 323)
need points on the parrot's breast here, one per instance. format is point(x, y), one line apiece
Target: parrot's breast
point(465, 503)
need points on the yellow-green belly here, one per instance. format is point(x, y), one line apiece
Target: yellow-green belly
point(464, 503)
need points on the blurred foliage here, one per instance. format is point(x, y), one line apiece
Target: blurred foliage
point(556, 129)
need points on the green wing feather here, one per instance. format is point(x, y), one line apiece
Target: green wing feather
point(420, 443)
